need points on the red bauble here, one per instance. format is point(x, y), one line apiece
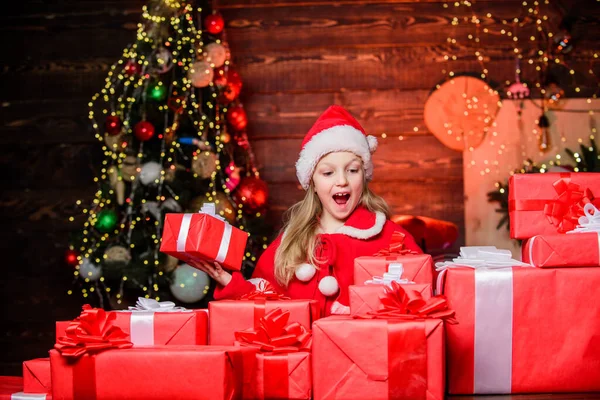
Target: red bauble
point(252, 193)
point(229, 83)
point(214, 23)
point(143, 130)
point(132, 68)
point(113, 125)
point(237, 118)
point(71, 258)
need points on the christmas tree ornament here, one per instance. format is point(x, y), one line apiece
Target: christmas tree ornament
point(171, 205)
point(204, 164)
point(120, 192)
point(132, 68)
point(162, 61)
point(216, 54)
point(152, 208)
point(189, 284)
point(252, 193)
point(176, 103)
point(129, 168)
point(553, 94)
point(225, 137)
point(201, 74)
point(157, 91)
point(115, 142)
point(106, 221)
point(233, 176)
point(169, 263)
point(113, 125)
point(150, 173)
point(117, 255)
point(143, 130)
point(305, 272)
point(89, 270)
point(236, 116)
point(71, 257)
point(214, 23)
point(229, 83)
point(224, 207)
point(544, 136)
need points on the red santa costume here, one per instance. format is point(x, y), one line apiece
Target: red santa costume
point(364, 232)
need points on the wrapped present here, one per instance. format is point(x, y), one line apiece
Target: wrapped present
point(204, 236)
point(229, 316)
point(11, 388)
point(157, 323)
point(574, 250)
point(36, 376)
point(366, 298)
point(550, 203)
point(94, 360)
point(522, 330)
point(282, 363)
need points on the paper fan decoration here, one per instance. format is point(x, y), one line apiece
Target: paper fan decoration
point(461, 112)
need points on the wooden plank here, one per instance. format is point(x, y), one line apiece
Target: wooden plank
point(227, 4)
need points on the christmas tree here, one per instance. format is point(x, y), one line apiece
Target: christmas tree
point(172, 130)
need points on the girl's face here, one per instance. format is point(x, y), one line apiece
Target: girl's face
point(338, 180)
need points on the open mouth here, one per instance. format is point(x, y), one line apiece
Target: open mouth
point(341, 198)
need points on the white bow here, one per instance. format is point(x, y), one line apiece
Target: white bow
point(144, 304)
point(590, 222)
point(210, 209)
point(394, 274)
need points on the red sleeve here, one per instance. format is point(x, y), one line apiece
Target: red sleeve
point(409, 240)
point(265, 268)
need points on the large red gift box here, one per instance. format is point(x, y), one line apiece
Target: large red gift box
point(570, 250)
point(11, 388)
point(550, 203)
point(229, 316)
point(366, 298)
point(36, 376)
point(523, 330)
point(202, 236)
point(416, 267)
point(378, 359)
point(161, 372)
point(147, 328)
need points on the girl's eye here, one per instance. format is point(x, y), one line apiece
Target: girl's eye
point(328, 173)
point(354, 170)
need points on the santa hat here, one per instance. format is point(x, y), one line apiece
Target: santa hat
point(334, 130)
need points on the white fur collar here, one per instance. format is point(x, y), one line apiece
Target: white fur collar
point(368, 233)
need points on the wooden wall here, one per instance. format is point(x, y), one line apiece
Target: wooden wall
point(380, 59)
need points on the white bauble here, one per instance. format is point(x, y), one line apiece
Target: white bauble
point(305, 272)
point(201, 74)
point(150, 173)
point(189, 284)
point(216, 54)
point(89, 270)
point(329, 286)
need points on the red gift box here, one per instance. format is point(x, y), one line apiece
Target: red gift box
point(146, 328)
point(36, 376)
point(571, 250)
point(202, 236)
point(366, 298)
point(161, 372)
point(523, 330)
point(550, 203)
point(417, 268)
point(11, 388)
point(229, 316)
point(378, 359)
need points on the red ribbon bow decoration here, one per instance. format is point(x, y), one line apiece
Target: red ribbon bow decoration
point(396, 246)
point(264, 291)
point(400, 302)
point(564, 212)
point(275, 335)
point(93, 331)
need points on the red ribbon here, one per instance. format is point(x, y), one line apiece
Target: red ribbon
point(93, 331)
point(275, 335)
point(564, 212)
point(396, 246)
point(401, 302)
point(264, 291)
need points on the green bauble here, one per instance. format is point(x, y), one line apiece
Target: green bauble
point(157, 92)
point(106, 221)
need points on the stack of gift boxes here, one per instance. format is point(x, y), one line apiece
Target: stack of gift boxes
point(491, 325)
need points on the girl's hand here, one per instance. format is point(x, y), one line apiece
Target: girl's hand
point(215, 271)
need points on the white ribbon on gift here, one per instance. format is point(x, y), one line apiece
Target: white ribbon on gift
point(492, 369)
point(141, 323)
point(394, 274)
point(208, 209)
point(590, 222)
point(28, 396)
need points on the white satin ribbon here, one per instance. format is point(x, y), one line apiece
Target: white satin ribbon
point(144, 304)
point(590, 222)
point(28, 396)
point(394, 274)
point(208, 209)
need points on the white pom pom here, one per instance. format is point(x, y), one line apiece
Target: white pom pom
point(372, 140)
point(329, 286)
point(305, 272)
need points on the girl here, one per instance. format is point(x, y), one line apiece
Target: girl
point(338, 220)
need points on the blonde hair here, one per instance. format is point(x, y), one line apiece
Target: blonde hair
point(299, 243)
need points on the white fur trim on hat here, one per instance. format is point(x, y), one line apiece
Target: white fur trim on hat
point(368, 233)
point(337, 138)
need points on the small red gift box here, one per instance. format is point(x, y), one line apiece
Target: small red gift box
point(550, 203)
point(417, 268)
point(523, 330)
point(147, 328)
point(366, 298)
point(229, 316)
point(11, 388)
point(36, 376)
point(203, 236)
point(571, 250)
point(160, 372)
point(378, 359)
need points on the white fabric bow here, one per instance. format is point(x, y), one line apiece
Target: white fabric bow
point(590, 222)
point(144, 304)
point(394, 274)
